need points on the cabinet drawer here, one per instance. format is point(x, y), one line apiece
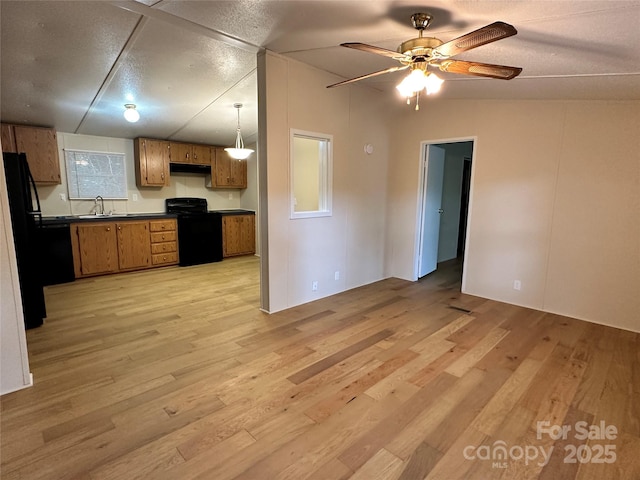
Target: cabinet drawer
point(164, 247)
point(159, 237)
point(162, 225)
point(164, 258)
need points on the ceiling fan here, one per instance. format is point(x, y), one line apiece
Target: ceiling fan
point(419, 53)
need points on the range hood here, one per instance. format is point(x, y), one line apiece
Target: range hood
point(189, 168)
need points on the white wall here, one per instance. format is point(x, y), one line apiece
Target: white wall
point(14, 360)
point(351, 241)
point(555, 202)
point(150, 199)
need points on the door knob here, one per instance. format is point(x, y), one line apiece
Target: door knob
point(440, 210)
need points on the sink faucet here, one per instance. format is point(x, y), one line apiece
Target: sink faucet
point(101, 205)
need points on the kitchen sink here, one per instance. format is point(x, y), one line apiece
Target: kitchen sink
point(103, 215)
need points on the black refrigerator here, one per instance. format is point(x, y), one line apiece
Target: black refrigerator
point(24, 205)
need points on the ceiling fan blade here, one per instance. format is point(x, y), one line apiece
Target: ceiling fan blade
point(369, 75)
point(372, 49)
point(480, 69)
point(482, 36)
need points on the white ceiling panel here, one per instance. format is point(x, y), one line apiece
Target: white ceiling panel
point(74, 64)
point(189, 72)
point(55, 56)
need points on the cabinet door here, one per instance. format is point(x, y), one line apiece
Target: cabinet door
point(152, 162)
point(238, 173)
point(238, 235)
point(97, 248)
point(247, 234)
point(134, 245)
point(229, 172)
point(221, 172)
point(201, 154)
point(230, 236)
point(8, 140)
point(41, 147)
point(180, 152)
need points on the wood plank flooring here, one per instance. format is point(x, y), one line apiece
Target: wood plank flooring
point(176, 374)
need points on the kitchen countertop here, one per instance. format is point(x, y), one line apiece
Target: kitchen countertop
point(116, 217)
point(234, 211)
point(61, 219)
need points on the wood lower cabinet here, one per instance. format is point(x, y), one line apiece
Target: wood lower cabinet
point(151, 162)
point(40, 144)
point(164, 242)
point(238, 235)
point(108, 247)
point(134, 247)
point(95, 248)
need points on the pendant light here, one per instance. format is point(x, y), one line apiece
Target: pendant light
point(238, 152)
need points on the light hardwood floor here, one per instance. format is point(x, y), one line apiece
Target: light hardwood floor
point(176, 374)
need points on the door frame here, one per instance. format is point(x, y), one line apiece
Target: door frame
point(420, 200)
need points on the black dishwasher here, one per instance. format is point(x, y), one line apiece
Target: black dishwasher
point(55, 254)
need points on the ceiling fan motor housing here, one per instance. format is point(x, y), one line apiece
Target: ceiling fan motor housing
point(421, 46)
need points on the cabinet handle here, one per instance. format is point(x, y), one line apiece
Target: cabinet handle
point(108, 229)
point(162, 175)
point(163, 237)
point(119, 227)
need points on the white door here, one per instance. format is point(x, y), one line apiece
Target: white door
point(433, 175)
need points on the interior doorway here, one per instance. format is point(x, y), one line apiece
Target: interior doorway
point(444, 195)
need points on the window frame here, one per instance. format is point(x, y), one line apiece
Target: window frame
point(325, 188)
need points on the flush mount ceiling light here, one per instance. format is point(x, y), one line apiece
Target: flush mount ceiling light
point(238, 152)
point(130, 113)
point(419, 53)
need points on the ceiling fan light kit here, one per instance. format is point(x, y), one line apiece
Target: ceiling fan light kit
point(238, 152)
point(417, 54)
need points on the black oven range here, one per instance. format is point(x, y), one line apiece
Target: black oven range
point(199, 231)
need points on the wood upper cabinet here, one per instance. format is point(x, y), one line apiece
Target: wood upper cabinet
point(228, 172)
point(40, 144)
point(190, 153)
point(151, 162)
point(179, 152)
point(238, 235)
point(134, 247)
point(95, 248)
point(8, 138)
point(201, 154)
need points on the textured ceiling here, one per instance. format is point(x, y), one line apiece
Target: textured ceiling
point(73, 65)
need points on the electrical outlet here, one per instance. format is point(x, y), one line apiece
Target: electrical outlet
point(63, 197)
point(336, 275)
point(314, 286)
point(517, 285)
point(134, 197)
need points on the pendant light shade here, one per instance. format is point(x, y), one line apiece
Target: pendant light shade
point(238, 152)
